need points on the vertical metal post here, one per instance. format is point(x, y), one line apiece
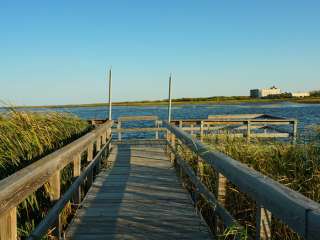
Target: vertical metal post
point(110, 102)
point(170, 92)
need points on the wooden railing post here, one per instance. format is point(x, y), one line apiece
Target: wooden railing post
point(294, 131)
point(221, 192)
point(180, 124)
point(191, 129)
point(54, 183)
point(201, 131)
point(8, 225)
point(263, 223)
point(157, 129)
point(248, 130)
point(108, 136)
point(76, 173)
point(119, 128)
point(89, 159)
point(98, 148)
point(222, 189)
point(173, 145)
point(104, 138)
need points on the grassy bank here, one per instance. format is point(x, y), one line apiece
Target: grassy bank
point(25, 138)
point(182, 101)
point(295, 166)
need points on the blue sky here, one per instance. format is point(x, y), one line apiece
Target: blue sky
point(57, 52)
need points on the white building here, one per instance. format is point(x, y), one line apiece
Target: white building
point(300, 94)
point(264, 92)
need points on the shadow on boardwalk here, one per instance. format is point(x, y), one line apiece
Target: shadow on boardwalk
point(139, 198)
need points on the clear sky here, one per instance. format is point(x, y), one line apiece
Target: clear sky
point(57, 52)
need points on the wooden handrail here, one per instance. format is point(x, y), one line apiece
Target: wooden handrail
point(18, 186)
point(53, 213)
point(298, 212)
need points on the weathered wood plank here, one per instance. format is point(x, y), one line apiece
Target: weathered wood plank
point(8, 225)
point(143, 197)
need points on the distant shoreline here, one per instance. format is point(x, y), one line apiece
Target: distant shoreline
point(215, 101)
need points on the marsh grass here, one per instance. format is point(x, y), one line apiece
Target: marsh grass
point(25, 137)
point(296, 166)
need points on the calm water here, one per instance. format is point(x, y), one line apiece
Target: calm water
point(307, 114)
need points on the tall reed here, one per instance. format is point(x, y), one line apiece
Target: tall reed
point(25, 137)
point(296, 166)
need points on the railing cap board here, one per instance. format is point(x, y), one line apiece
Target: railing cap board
point(18, 186)
point(237, 116)
point(299, 212)
point(138, 118)
point(244, 116)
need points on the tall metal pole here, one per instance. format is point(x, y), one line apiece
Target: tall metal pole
point(110, 103)
point(170, 92)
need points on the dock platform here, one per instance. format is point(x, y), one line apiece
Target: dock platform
point(139, 197)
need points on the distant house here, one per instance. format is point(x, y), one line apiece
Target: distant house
point(300, 94)
point(264, 92)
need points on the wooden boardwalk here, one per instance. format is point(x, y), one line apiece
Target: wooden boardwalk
point(139, 197)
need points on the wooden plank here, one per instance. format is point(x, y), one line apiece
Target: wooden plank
point(238, 116)
point(145, 129)
point(263, 223)
point(141, 197)
point(8, 225)
point(137, 118)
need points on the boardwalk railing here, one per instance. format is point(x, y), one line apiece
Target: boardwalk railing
point(300, 213)
point(242, 125)
point(20, 185)
point(156, 128)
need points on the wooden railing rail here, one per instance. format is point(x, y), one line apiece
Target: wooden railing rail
point(224, 122)
point(300, 213)
point(119, 129)
point(17, 187)
point(53, 214)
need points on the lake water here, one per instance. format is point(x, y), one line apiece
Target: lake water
point(307, 114)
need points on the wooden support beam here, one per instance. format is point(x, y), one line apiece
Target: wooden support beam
point(77, 173)
point(8, 225)
point(173, 145)
point(263, 223)
point(90, 152)
point(98, 144)
point(222, 189)
point(104, 138)
point(54, 192)
point(221, 197)
point(191, 131)
point(157, 129)
point(201, 131)
point(248, 130)
point(119, 127)
point(294, 131)
point(89, 159)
